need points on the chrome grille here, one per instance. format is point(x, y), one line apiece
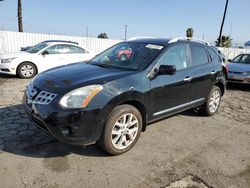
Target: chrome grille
point(44, 97)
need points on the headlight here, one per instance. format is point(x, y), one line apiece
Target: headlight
point(80, 98)
point(7, 60)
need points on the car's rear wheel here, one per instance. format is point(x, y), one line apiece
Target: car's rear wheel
point(26, 70)
point(123, 57)
point(122, 130)
point(212, 104)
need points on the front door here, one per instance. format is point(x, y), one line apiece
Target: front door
point(55, 56)
point(171, 93)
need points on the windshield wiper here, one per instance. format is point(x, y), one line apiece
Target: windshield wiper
point(103, 65)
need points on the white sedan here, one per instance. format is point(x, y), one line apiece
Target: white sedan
point(41, 57)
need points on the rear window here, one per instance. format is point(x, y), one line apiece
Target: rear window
point(198, 55)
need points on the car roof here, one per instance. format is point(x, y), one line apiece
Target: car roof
point(157, 41)
point(59, 41)
point(163, 41)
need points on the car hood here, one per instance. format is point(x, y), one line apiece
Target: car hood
point(12, 55)
point(238, 67)
point(68, 77)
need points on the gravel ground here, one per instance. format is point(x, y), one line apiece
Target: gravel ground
point(185, 150)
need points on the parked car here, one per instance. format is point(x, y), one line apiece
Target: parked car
point(239, 69)
point(46, 41)
point(111, 101)
point(124, 54)
point(41, 57)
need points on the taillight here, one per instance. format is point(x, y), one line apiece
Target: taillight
point(226, 67)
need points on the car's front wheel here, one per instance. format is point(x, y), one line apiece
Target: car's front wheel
point(212, 104)
point(26, 70)
point(122, 130)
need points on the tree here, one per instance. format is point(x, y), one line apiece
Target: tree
point(189, 32)
point(224, 41)
point(222, 23)
point(103, 36)
point(19, 16)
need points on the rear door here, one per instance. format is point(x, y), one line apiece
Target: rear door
point(204, 71)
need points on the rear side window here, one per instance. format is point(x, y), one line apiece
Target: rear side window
point(214, 55)
point(75, 50)
point(198, 55)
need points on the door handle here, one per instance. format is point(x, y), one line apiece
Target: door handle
point(187, 79)
point(212, 72)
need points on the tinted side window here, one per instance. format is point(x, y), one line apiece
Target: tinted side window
point(57, 49)
point(212, 54)
point(75, 49)
point(176, 55)
point(198, 55)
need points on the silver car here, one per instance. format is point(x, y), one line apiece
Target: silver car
point(239, 69)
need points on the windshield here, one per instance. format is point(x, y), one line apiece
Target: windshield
point(128, 55)
point(243, 58)
point(37, 48)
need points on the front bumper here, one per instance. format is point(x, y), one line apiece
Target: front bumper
point(71, 126)
point(7, 68)
point(238, 78)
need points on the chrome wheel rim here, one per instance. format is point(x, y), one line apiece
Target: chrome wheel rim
point(27, 70)
point(214, 101)
point(124, 131)
point(123, 57)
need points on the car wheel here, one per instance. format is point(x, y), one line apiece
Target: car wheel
point(123, 57)
point(26, 70)
point(211, 106)
point(122, 130)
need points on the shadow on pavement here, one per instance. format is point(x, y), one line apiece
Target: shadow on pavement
point(20, 135)
point(240, 87)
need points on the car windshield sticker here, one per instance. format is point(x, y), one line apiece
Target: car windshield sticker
point(154, 46)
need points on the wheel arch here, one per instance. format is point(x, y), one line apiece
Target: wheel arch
point(221, 86)
point(27, 62)
point(139, 106)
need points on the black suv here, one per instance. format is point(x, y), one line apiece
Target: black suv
point(111, 99)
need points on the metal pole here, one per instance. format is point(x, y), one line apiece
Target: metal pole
point(126, 28)
point(87, 31)
point(222, 24)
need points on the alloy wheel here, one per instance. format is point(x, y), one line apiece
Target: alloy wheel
point(124, 131)
point(214, 101)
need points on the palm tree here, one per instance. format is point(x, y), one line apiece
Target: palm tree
point(19, 16)
point(224, 41)
point(189, 32)
point(222, 23)
point(103, 36)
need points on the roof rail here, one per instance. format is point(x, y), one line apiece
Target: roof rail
point(140, 37)
point(191, 39)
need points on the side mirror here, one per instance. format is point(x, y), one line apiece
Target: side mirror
point(167, 69)
point(229, 60)
point(45, 52)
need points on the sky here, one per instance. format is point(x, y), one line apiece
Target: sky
point(157, 18)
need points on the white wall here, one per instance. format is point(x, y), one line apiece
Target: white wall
point(12, 41)
point(230, 53)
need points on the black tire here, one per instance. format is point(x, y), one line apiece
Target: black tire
point(31, 70)
point(106, 140)
point(205, 109)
